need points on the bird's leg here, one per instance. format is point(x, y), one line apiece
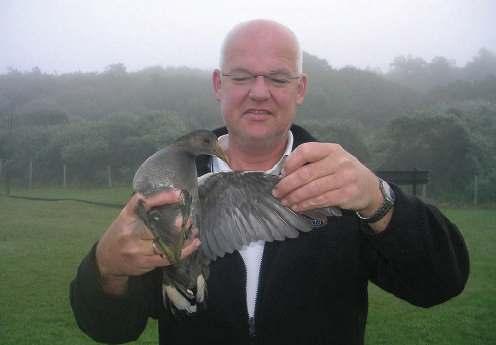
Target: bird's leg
point(185, 204)
point(185, 208)
point(148, 218)
point(141, 212)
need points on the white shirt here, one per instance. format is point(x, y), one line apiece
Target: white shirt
point(253, 252)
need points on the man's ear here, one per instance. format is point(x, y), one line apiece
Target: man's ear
point(216, 84)
point(302, 89)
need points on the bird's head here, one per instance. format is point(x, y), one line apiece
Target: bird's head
point(202, 142)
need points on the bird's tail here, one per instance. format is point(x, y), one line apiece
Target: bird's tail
point(184, 286)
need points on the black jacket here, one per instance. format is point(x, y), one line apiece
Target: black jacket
point(312, 290)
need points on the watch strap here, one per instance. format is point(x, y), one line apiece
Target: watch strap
point(387, 204)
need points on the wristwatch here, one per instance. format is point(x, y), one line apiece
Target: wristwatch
point(387, 204)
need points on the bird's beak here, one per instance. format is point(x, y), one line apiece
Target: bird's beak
point(219, 152)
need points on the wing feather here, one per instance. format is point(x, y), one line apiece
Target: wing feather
point(238, 208)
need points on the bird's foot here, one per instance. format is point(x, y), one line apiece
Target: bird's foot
point(201, 289)
point(177, 301)
point(181, 301)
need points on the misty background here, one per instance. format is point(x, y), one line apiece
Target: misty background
point(97, 86)
point(68, 35)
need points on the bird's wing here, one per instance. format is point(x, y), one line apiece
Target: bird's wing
point(238, 208)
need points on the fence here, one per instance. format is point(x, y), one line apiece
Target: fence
point(30, 173)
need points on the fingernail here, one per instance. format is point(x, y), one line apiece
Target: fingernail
point(275, 193)
point(197, 242)
point(283, 172)
point(284, 202)
point(295, 208)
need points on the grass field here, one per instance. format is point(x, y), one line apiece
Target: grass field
point(41, 244)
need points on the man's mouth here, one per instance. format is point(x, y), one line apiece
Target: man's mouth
point(257, 112)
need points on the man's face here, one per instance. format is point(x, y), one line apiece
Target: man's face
point(259, 111)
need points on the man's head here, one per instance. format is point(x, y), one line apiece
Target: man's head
point(260, 82)
point(263, 27)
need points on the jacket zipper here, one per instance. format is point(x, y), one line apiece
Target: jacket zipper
point(251, 320)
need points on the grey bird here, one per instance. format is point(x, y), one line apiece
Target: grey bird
point(229, 209)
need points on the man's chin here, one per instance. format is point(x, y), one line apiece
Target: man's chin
point(263, 136)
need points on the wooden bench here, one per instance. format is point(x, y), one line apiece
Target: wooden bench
point(405, 177)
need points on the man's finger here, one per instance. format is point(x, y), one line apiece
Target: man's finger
point(306, 153)
point(312, 189)
point(160, 261)
point(153, 261)
point(329, 198)
point(170, 196)
point(328, 166)
point(131, 205)
point(299, 178)
point(146, 234)
point(190, 248)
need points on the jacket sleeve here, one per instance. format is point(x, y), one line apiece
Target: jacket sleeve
point(112, 319)
point(421, 257)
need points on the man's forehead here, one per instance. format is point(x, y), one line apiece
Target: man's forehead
point(264, 36)
point(276, 50)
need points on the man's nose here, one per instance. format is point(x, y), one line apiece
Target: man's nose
point(259, 90)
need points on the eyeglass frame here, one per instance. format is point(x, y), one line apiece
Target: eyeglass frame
point(251, 77)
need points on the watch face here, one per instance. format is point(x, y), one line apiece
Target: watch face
point(387, 191)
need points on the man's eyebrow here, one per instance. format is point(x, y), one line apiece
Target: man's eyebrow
point(280, 71)
point(240, 69)
point(274, 71)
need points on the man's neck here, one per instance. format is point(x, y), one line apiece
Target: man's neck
point(255, 157)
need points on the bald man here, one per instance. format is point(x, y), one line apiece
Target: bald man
point(309, 290)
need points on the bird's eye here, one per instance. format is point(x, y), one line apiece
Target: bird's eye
point(206, 141)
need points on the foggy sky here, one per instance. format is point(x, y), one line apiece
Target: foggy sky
point(66, 36)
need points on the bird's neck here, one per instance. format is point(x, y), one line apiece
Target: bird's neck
point(184, 158)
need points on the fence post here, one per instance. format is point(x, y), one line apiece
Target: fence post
point(64, 180)
point(30, 174)
point(476, 189)
point(109, 174)
point(7, 178)
point(414, 185)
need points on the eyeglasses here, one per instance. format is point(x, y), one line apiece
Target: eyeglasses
point(243, 78)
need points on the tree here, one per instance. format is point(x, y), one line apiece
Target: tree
point(440, 144)
point(482, 66)
point(349, 136)
point(442, 71)
point(116, 69)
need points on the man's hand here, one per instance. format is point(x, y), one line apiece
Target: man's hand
point(323, 174)
point(126, 248)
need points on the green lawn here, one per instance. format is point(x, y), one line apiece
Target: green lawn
point(41, 244)
point(465, 320)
